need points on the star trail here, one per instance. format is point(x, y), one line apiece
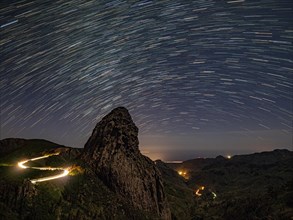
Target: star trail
point(202, 75)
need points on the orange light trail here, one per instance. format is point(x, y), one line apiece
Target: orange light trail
point(64, 173)
point(198, 191)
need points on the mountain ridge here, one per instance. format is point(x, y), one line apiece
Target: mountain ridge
point(111, 179)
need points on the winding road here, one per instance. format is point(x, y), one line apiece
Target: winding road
point(198, 192)
point(65, 172)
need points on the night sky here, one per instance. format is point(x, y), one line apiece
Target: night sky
point(200, 78)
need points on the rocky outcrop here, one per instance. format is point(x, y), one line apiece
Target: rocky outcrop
point(18, 197)
point(112, 153)
point(26, 192)
point(68, 153)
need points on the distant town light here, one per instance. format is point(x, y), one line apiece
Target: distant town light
point(183, 173)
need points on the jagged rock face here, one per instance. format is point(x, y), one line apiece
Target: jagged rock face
point(112, 152)
point(18, 197)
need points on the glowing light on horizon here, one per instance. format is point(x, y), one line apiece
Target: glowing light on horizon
point(173, 161)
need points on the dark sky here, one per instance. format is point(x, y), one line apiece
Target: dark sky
point(200, 78)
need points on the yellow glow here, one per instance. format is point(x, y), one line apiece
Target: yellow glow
point(64, 173)
point(197, 192)
point(183, 173)
point(229, 156)
point(20, 164)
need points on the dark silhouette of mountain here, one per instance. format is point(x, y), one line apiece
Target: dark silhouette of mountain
point(254, 186)
point(111, 179)
point(112, 153)
point(9, 145)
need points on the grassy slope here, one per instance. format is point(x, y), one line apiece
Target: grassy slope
point(254, 186)
point(30, 148)
point(180, 196)
point(78, 196)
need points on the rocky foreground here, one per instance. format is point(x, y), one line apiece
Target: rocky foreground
point(111, 179)
point(254, 186)
point(112, 153)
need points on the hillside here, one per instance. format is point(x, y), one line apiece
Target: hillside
point(108, 179)
point(255, 186)
point(111, 179)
